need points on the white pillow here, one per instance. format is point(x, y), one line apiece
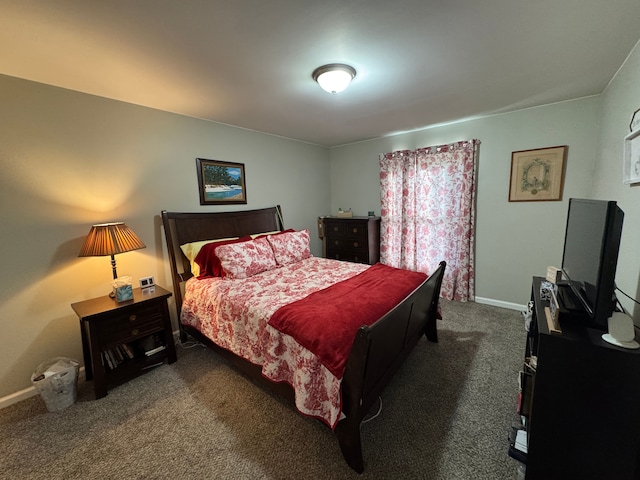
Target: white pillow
point(192, 249)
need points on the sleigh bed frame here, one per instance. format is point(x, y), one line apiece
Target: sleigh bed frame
point(377, 352)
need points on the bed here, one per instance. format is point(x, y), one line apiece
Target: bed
point(346, 379)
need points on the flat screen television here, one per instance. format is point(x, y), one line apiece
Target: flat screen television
point(590, 258)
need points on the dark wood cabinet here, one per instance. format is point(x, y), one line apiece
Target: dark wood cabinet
point(121, 340)
point(581, 407)
point(354, 239)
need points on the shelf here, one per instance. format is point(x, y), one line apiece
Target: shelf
point(579, 400)
point(131, 368)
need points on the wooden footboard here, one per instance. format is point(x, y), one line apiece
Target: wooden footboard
point(377, 353)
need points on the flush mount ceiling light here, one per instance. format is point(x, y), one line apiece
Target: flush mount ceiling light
point(334, 77)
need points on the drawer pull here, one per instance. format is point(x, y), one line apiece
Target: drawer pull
point(135, 332)
point(355, 244)
point(132, 318)
point(355, 229)
point(335, 229)
point(336, 242)
point(357, 259)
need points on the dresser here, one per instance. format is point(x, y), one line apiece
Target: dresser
point(353, 239)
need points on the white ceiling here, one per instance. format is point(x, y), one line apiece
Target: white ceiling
point(248, 63)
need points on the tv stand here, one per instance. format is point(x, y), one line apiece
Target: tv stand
point(581, 407)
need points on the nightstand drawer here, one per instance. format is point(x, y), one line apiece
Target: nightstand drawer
point(129, 326)
point(108, 339)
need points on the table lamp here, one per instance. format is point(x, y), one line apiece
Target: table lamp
point(110, 239)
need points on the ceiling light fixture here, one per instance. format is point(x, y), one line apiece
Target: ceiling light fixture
point(335, 77)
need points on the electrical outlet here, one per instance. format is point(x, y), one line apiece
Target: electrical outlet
point(147, 282)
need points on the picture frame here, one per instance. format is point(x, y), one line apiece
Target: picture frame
point(221, 183)
point(631, 165)
point(538, 174)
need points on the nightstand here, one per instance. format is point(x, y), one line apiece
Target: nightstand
point(122, 340)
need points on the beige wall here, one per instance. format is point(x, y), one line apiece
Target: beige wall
point(514, 241)
point(620, 100)
point(69, 160)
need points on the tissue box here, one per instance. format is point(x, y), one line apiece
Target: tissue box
point(123, 289)
point(546, 288)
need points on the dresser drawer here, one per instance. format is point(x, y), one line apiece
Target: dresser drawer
point(130, 326)
point(348, 256)
point(335, 229)
point(358, 245)
point(355, 230)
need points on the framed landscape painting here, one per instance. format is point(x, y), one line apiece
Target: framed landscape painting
point(537, 175)
point(221, 183)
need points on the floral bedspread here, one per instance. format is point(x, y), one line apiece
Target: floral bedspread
point(234, 313)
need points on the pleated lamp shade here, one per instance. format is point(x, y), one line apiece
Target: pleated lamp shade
point(110, 239)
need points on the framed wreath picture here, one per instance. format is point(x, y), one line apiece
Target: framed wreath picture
point(221, 183)
point(537, 175)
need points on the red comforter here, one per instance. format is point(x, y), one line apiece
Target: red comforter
point(327, 321)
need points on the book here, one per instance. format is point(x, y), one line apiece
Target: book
point(117, 355)
point(114, 359)
point(108, 359)
point(127, 350)
point(518, 444)
point(153, 351)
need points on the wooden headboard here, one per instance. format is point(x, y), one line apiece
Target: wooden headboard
point(181, 228)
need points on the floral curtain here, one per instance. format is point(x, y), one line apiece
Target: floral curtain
point(428, 213)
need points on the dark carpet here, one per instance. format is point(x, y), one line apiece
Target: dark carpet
point(446, 415)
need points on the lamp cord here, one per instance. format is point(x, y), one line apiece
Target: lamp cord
point(627, 295)
point(366, 420)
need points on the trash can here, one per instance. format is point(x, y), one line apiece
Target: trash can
point(56, 380)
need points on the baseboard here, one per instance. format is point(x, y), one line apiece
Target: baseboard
point(501, 304)
point(27, 393)
point(17, 397)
